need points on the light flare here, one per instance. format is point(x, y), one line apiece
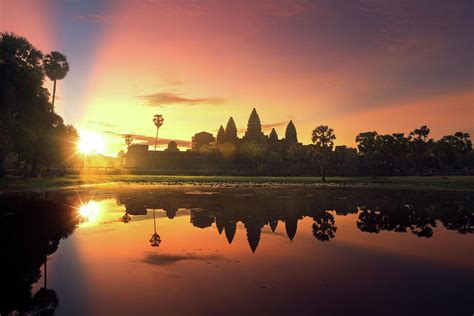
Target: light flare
point(91, 143)
point(89, 211)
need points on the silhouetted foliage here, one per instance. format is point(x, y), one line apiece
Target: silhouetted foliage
point(323, 137)
point(31, 228)
point(56, 67)
point(324, 227)
point(29, 127)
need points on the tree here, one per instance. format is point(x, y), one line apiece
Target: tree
point(56, 67)
point(400, 149)
point(385, 152)
point(29, 126)
point(323, 137)
point(420, 146)
point(231, 131)
point(220, 139)
point(158, 121)
point(324, 226)
point(290, 134)
point(463, 145)
point(254, 127)
point(252, 153)
point(366, 142)
point(297, 157)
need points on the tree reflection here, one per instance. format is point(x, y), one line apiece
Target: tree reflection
point(460, 219)
point(418, 220)
point(324, 226)
point(155, 239)
point(29, 234)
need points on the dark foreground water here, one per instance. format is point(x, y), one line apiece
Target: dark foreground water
point(237, 251)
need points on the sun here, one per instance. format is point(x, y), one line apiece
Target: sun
point(90, 143)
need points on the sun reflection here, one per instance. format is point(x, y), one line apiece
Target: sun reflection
point(89, 211)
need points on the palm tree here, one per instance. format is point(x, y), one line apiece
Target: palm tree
point(158, 120)
point(323, 137)
point(463, 145)
point(56, 67)
point(420, 146)
point(155, 239)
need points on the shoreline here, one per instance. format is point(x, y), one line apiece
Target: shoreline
point(454, 183)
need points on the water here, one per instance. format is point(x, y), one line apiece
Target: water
point(234, 251)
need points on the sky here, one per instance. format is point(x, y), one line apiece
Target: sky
point(388, 66)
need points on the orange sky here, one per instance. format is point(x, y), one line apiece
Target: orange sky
point(357, 66)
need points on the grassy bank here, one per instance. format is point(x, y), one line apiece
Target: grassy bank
point(412, 182)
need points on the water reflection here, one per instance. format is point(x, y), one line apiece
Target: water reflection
point(155, 239)
point(89, 211)
point(31, 227)
point(401, 212)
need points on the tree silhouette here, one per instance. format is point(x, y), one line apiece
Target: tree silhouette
point(323, 137)
point(155, 239)
point(366, 142)
point(420, 146)
point(56, 68)
point(158, 121)
point(463, 145)
point(324, 226)
point(29, 127)
point(290, 134)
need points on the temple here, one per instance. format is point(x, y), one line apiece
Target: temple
point(207, 152)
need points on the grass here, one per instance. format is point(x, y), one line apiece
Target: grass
point(412, 182)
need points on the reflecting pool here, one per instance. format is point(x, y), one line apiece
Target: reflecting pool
point(230, 251)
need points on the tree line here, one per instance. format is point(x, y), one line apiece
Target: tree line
point(32, 134)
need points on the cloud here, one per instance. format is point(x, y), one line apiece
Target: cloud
point(101, 124)
point(268, 127)
point(89, 17)
point(150, 140)
point(167, 259)
point(165, 98)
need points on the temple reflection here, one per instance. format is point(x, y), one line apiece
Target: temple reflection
point(31, 227)
point(417, 213)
